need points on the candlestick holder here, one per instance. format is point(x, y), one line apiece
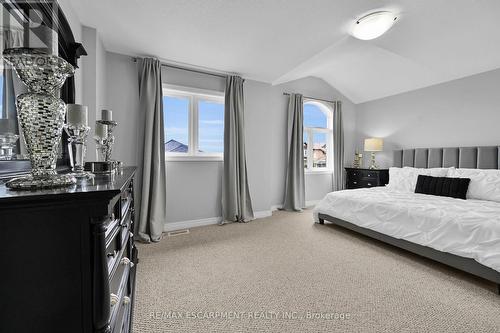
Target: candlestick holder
point(110, 140)
point(101, 148)
point(77, 136)
point(7, 146)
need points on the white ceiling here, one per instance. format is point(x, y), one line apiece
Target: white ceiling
point(277, 41)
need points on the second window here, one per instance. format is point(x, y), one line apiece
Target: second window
point(317, 136)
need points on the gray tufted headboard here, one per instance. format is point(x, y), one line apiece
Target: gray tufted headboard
point(459, 157)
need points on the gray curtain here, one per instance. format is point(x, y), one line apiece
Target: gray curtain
point(236, 201)
point(294, 183)
point(152, 174)
point(338, 147)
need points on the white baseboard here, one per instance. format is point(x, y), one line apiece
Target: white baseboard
point(263, 213)
point(173, 226)
point(312, 203)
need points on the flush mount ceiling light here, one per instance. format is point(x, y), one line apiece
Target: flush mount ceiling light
point(373, 25)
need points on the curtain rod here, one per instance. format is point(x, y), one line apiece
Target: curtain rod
point(314, 99)
point(189, 69)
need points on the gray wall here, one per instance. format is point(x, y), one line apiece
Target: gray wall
point(463, 112)
point(94, 85)
point(194, 188)
point(123, 98)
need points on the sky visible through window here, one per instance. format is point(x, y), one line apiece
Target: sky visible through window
point(314, 117)
point(176, 114)
point(210, 123)
point(211, 127)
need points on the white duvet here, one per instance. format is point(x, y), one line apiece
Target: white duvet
point(468, 228)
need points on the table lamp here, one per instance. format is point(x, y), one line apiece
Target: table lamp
point(373, 145)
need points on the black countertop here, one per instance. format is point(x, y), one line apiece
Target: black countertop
point(105, 184)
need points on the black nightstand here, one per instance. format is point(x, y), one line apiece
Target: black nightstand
point(359, 178)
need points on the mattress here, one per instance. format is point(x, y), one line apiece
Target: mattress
point(467, 228)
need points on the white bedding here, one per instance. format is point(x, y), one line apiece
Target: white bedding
point(467, 228)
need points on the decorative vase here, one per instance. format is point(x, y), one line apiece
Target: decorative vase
point(41, 115)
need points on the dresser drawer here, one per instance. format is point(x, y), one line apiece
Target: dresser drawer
point(360, 178)
point(367, 175)
point(361, 183)
point(119, 287)
point(127, 202)
point(113, 247)
point(121, 306)
point(122, 321)
point(126, 225)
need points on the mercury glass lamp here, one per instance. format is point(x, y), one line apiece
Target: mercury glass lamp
point(373, 145)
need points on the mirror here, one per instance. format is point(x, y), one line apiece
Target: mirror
point(34, 24)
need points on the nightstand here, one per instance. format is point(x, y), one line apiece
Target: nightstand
point(359, 178)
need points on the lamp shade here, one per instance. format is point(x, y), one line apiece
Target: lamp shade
point(374, 144)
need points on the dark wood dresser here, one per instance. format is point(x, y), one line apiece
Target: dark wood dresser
point(68, 259)
point(362, 178)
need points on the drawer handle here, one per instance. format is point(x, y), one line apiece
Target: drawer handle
point(369, 175)
point(126, 300)
point(114, 299)
point(125, 261)
point(354, 182)
point(369, 184)
point(112, 255)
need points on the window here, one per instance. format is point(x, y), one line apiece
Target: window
point(194, 123)
point(317, 136)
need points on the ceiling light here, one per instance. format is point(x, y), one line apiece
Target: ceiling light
point(373, 25)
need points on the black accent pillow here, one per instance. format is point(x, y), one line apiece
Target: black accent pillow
point(443, 186)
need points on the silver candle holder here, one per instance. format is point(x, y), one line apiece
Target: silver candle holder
point(101, 139)
point(8, 143)
point(77, 129)
point(110, 139)
point(104, 145)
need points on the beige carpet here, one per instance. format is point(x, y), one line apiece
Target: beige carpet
point(286, 274)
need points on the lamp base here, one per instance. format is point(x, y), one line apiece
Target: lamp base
point(373, 165)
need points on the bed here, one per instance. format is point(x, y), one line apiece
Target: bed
point(464, 234)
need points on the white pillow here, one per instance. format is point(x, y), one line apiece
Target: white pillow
point(398, 179)
point(484, 184)
point(405, 179)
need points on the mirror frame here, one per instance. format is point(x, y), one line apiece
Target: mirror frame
point(68, 49)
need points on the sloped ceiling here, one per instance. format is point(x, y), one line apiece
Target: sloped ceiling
point(277, 41)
